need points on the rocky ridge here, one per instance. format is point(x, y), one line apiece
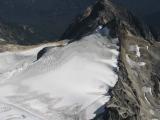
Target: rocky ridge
point(136, 96)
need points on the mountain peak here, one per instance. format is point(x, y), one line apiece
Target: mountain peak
point(104, 12)
point(137, 63)
point(124, 48)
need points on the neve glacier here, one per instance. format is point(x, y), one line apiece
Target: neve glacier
point(69, 82)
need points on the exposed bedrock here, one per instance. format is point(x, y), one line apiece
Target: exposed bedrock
point(136, 95)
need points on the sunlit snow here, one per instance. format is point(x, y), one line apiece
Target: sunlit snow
point(135, 48)
point(66, 83)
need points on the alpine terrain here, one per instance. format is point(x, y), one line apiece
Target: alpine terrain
point(105, 66)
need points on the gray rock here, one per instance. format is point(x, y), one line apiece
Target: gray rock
point(136, 96)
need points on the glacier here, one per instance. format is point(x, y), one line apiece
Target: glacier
point(69, 82)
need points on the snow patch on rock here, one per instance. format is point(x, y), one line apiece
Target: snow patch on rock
point(133, 63)
point(135, 48)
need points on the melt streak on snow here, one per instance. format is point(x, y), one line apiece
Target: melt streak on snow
point(66, 83)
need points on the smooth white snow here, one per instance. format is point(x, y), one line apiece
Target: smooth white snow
point(67, 83)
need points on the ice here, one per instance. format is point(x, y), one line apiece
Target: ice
point(135, 48)
point(147, 90)
point(133, 63)
point(66, 83)
point(147, 47)
point(103, 30)
point(138, 51)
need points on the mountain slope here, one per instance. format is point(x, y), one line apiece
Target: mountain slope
point(19, 34)
point(105, 13)
point(91, 55)
point(67, 82)
point(137, 93)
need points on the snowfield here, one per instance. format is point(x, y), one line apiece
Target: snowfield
point(67, 83)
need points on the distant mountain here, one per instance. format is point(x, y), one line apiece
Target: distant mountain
point(147, 10)
point(19, 34)
point(49, 17)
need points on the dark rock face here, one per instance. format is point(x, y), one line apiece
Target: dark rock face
point(10, 33)
point(41, 53)
point(136, 95)
point(104, 13)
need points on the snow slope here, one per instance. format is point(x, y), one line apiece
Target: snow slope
point(66, 83)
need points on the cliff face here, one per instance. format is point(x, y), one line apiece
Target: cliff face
point(136, 96)
point(105, 13)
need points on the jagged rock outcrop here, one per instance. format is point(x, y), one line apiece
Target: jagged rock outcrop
point(136, 96)
point(104, 13)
